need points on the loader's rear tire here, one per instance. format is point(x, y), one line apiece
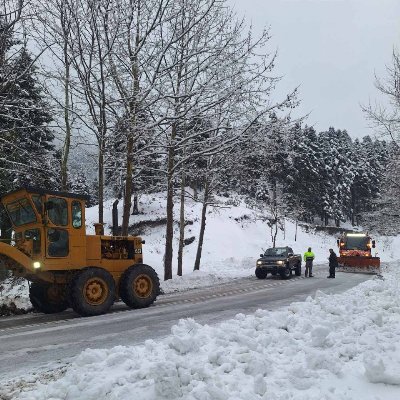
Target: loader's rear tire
point(260, 273)
point(92, 291)
point(139, 286)
point(297, 270)
point(48, 298)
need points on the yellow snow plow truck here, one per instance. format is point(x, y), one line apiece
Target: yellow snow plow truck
point(355, 254)
point(65, 266)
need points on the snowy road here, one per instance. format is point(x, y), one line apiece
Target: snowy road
point(34, 342)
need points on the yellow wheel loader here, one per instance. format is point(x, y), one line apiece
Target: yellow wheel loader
point(67, 267)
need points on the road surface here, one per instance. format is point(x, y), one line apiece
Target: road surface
point(37, 342)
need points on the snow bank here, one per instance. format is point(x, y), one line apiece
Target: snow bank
point(14, 296)
point(336, 347)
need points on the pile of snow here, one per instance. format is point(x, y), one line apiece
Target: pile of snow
point(14, 296)
point(336, 347)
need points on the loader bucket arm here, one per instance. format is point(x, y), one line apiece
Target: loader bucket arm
point(14, 259)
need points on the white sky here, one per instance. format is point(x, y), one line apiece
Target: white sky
point(332, 49)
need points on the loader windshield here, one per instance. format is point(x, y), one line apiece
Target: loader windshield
point(356, 242)
point(21, 212)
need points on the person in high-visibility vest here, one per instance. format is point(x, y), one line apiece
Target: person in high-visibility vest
point(309, 258)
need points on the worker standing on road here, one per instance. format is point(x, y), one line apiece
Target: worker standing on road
point(309, 258)
point(333, 263)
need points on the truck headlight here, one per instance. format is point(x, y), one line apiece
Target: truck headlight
point(259, 262)
point(36, 265)
point(279, 262)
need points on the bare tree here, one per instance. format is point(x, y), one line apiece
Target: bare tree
point(90, 44)
point(52, 23)
point(387, 118)
point(219, 68)
point(134, 66)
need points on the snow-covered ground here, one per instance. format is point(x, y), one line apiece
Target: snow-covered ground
point(336, 347)
point(235, 236)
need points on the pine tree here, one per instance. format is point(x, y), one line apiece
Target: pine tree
point(304, 181)
point(26, 147)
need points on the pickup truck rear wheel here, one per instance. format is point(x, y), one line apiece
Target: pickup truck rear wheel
point(286, 273)
point(260, 273)
point(48, 298)
point(297, 270)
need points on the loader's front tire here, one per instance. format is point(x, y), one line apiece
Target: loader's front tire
point(92, 291)
point(139, 286)
point(48, 298)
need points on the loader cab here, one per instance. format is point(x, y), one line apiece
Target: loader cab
point(48, 226)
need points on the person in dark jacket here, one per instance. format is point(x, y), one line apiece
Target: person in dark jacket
point(333, 263)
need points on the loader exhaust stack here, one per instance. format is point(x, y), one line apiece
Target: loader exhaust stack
point(115, 218)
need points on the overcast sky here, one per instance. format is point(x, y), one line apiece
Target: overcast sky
point(332, 49)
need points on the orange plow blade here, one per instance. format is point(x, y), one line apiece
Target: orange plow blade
point(369, 265)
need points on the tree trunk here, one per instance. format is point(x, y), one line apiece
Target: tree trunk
point(202, 228)
point(101, 183)
point(169, 234)
point(133, 109)
point(135, 210)
point(274, 234)
point(5, 225)
point(67, 140)
point(126, 213)
point(195, 195)
point(353, 207)
point(6, 233)
point(181, 225)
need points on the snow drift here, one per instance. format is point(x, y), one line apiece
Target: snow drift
point(335, 347)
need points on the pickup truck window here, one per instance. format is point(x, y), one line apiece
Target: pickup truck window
point(277, 251)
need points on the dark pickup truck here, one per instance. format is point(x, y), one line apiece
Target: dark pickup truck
point(278, 260)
